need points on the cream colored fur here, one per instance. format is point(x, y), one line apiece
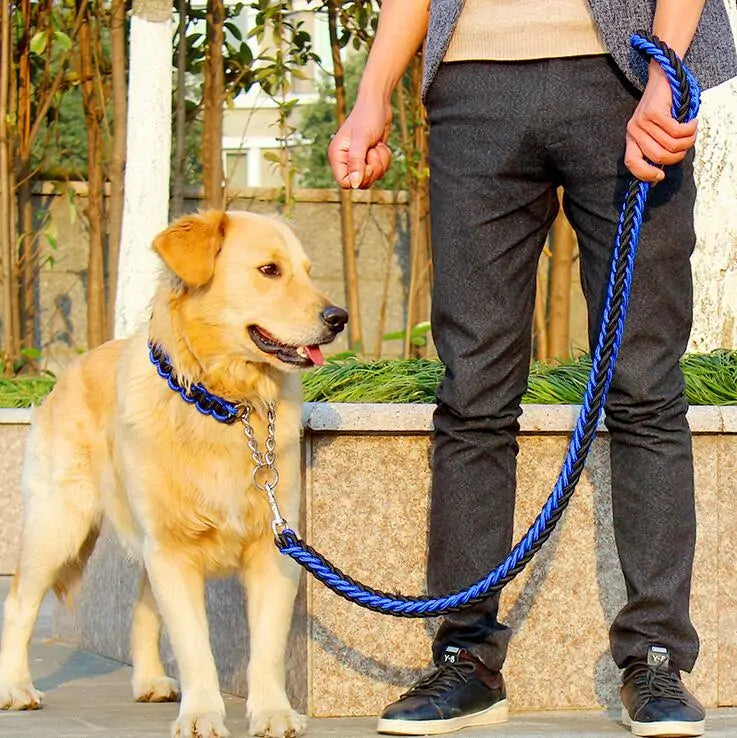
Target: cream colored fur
point(113, 441)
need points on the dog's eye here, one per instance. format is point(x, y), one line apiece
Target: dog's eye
point(270, 270)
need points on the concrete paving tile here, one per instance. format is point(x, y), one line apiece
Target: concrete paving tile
point(89, 696)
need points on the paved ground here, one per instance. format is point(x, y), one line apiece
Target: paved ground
point(89, 696)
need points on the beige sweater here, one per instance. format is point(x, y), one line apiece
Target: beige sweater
point(506, 30)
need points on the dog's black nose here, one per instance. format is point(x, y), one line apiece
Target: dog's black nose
point(335, 318)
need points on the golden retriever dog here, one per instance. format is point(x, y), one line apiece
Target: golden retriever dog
point(235, 312)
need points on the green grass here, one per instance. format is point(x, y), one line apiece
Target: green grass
point(385, 380)
point(24, 391)
point(711, 379)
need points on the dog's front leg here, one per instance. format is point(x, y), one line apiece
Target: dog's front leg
point(271, 582)
point(150, 683)
point(179, 588)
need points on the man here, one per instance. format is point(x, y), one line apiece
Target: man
point(524, 96)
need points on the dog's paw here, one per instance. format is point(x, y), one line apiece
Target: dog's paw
point(199, 725)
point(277, 724)
point(158, 689)
point(19, 697)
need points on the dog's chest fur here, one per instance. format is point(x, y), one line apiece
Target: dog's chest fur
point(220, 512)
point(200, 497)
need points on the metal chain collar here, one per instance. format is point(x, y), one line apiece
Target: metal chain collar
point(265, 475)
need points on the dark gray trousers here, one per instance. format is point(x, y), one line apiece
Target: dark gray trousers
point(503, 136)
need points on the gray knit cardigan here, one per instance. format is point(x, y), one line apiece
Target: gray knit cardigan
point(711, 56)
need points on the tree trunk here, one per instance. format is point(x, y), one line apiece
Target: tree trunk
point(414, 137)
point(7, 237)
point(347, 221)
point(214, 97)
point(539, 315)
point(388, 263)
point(148, 154)
point(177, 184)
point(116, 169)
point(25, 283)
point(563, 241)
point(27, 261)
point(20, 125)
point(96, 185)
point(17, 155)
point(14, 268)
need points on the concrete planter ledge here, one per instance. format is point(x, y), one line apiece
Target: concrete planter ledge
point(417, 418)
point(366, 481)
point(15, 415)
point(337, 417)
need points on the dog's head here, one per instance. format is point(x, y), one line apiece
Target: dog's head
point(243, 286)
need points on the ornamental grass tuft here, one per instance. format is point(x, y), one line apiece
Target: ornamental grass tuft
point(711, 379)
point(24, 391)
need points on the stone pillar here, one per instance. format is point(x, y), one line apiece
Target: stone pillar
point(715, 259)
point(146, 207)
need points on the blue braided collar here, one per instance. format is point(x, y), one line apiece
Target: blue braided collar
point(206, 402)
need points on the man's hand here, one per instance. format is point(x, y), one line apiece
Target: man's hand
point(358, 153)
point(653, 136)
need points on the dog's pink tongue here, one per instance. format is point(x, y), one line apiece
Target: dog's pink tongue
point(315, 355)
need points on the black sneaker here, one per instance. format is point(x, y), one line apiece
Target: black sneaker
point(459, 693)
point(655, 700)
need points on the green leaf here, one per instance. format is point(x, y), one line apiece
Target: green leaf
point(421, 329)
point(245, 55)
point(38, 42)
point(234, 30)
point(71, 205)
point(31, 353)
point(63, 40)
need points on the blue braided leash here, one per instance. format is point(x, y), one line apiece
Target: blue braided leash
point(685, 107)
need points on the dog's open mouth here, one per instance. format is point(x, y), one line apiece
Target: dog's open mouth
point(303, 356)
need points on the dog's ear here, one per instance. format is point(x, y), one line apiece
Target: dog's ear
point(189, 246)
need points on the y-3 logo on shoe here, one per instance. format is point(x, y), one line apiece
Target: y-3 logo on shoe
point(657, 656)
point(450, 655)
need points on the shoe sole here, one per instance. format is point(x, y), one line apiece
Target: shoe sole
point(497, 713)
point(664, 728)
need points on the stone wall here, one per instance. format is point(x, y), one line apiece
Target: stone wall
point(366, 510)
point(383, 264)
point(382, 245)
point(366, 493)
point(13, 432)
